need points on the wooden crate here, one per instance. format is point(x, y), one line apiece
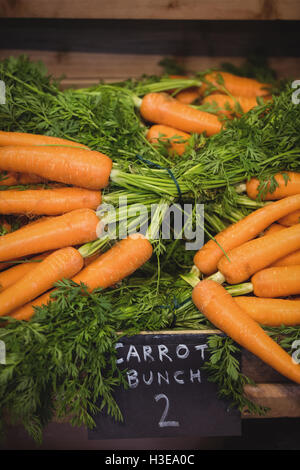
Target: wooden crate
point(92, 40)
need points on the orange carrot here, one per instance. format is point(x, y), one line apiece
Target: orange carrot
point(5, 228)
point(70, 229)
point(48, 201)
point(9, 179)
point(23, 138)
point(270, 311)
point(289, 260)
point(235, 85)
point(160, 108)
point(9, 229)
point(215, 302)
point(75, 166)
point(228, 105)
point(176, 140)
point(62, 264)
point(88, 260)
point(29, 223)
point(118, 262)
point(290, 219)
point(279, 281)
point(14, 273)
point(15, 179)
point(250, 257)
point(188, 96)
point(206, 259)
point(288, 184)
point(273, 228)
point(30, 178)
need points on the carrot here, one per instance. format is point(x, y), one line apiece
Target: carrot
point(88, 260)
point(29, 223)
point(5, 228)
point(206, 259)
point(279, 281)
point(78, 167)
point(290, 219)
point(70, 229)
point(188, 96)
point(15, 179)
point(9, 179)
point(177, 140)
point(288, 183)
point(23, 138)
point(118, 262)
point(215, 302)
point(14, 273)
point(235, 85)
point(228, 105)
point(269, 311)
point(29, 178)
point(292, 258)
point(273, 228)
point(62, 264)
point(250, 257)
point(48, 201)
point(160, 108)
point(8, 227)
point(289, 260)
point(26, 311)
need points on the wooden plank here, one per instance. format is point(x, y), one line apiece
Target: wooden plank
point(63, 436)
point(282, 399)
point(93, 67)
point(153, 9)
point(153, 37)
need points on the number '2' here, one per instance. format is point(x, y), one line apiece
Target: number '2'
point(162, 423)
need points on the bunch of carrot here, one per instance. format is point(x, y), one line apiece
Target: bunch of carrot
point(43, 251)
point(265, 253)
point(174, 119)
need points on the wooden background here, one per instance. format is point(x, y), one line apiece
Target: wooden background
point(153, 9)
point(114, 49)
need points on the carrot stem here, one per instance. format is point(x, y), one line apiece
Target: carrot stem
point(217, 277)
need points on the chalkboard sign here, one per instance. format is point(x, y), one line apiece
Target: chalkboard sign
point(168, 394)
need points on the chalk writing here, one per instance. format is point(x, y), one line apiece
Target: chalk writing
point(162, 423)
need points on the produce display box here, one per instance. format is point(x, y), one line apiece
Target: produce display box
point(92, 40)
